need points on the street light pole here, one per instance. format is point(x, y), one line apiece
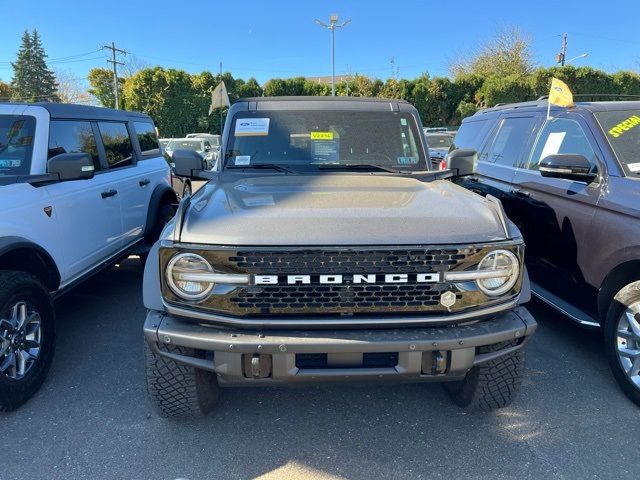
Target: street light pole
point(332, 25)
point(584, 55)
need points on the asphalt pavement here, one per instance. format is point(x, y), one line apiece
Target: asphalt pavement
point(92, 419)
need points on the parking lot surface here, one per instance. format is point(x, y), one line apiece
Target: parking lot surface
point(92, 418)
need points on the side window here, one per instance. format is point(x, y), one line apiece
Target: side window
point(117, 144)
point(147, 138)
point(509, 142)
point(469, 135)
point(561, 135)
point(66, 136)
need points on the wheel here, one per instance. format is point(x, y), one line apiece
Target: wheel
point(491, 385)
point(178, 390)
point(27, 337)
point(187, 190)
point(622, 339)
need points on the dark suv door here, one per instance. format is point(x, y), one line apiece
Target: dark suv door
point(498, 158)
point(554, 214)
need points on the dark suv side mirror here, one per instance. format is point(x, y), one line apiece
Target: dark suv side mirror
point(462, 161)
point(187, 163)
point(567, 165)
point(71, 166)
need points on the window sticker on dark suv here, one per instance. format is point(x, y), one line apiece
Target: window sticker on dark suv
point(622, 129)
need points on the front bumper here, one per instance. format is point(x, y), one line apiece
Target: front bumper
point(241, 357)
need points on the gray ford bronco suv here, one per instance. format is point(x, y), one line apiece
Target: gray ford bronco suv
point(324, 248)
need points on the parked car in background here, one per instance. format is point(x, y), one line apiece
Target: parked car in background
point(326, 250)
point(439, 145)
point(572, 185)
point(200, 145)
point(164, 142)
point(80, 187)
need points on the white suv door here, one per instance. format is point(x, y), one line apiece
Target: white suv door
point(87, 212)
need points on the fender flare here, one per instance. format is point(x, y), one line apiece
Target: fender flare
point(11, 243)
point(160, 193)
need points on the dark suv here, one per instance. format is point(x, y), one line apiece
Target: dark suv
point(571, 184)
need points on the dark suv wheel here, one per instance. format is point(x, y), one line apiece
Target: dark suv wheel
point(622, 339)
point(27, 337)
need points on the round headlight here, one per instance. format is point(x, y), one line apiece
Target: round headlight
point(506, 269)
point(182, 276)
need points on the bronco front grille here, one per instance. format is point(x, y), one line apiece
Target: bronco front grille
point(346, 298)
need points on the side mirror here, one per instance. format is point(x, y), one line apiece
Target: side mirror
point(462, 161)
point(567, 165)
point(187, 163)
point(71, 166)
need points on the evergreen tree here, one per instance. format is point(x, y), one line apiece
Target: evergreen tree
point(32, 79)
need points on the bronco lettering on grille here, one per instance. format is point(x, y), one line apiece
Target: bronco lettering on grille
point(346, 279)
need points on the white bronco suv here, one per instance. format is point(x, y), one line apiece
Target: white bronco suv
point(80, 188)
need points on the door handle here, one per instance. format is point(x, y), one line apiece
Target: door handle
point(521, 193)
point(109, 193)
point(144, 182)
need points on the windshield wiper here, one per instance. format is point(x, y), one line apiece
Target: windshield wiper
point(356, 166)
point(270, 166)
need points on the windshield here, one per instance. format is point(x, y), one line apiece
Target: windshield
point(306, 140)
point(194, 145)
point(622, 129)
point(439, 141)
point(16, 144)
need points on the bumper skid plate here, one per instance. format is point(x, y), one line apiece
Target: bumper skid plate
point(241, 357)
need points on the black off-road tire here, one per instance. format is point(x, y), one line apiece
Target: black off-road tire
point(493, 384)
point(166, 211)
point(628, 295)
point(21, 286)
point(178, 390)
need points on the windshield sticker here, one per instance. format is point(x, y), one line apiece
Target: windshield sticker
point(634, 167)
point(625, 126)
point(403, 121)
point(321, 135)
point(252, 127)
point(326, 150)
point(242, 160)
point(10, 163)
point(407, 160)
point(552, 145)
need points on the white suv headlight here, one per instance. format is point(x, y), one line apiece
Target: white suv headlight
point(187, 276)
point(502, 269)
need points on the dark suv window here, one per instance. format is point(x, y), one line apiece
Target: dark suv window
point(147, 138)
point(117, 144)
point(470, 135)
point(562, 135)
point(66, 136)
point(509, 142)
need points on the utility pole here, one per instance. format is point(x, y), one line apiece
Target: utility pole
point(563, 51)
point(333, 24)
point(115, 64)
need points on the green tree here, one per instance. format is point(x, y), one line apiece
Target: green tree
point(509, 89)
point(168, 97)
point(508, 53)
point(251, 88)
point(32, 79)
point(101, 86)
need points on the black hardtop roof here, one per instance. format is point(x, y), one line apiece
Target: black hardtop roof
point(85, 112)
point(542, 104)
point(322, 99)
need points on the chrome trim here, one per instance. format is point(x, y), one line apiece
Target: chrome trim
point(306, 322)
point(226, 278)
point(476, 275)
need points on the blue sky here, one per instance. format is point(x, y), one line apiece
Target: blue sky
point(278, 38)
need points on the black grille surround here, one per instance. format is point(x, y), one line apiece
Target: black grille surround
point(347, 298)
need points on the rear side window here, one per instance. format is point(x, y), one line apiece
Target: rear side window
point(66, 136)
point(147, 138)
point(470, 135)
point(509, 142)
point(16, 144)
point(117, 144)
point(562, 135)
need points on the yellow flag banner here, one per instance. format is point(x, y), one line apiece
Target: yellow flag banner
point(560, 94)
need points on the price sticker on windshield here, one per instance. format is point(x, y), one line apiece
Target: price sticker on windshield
point(321, 135)
point(252, 127)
